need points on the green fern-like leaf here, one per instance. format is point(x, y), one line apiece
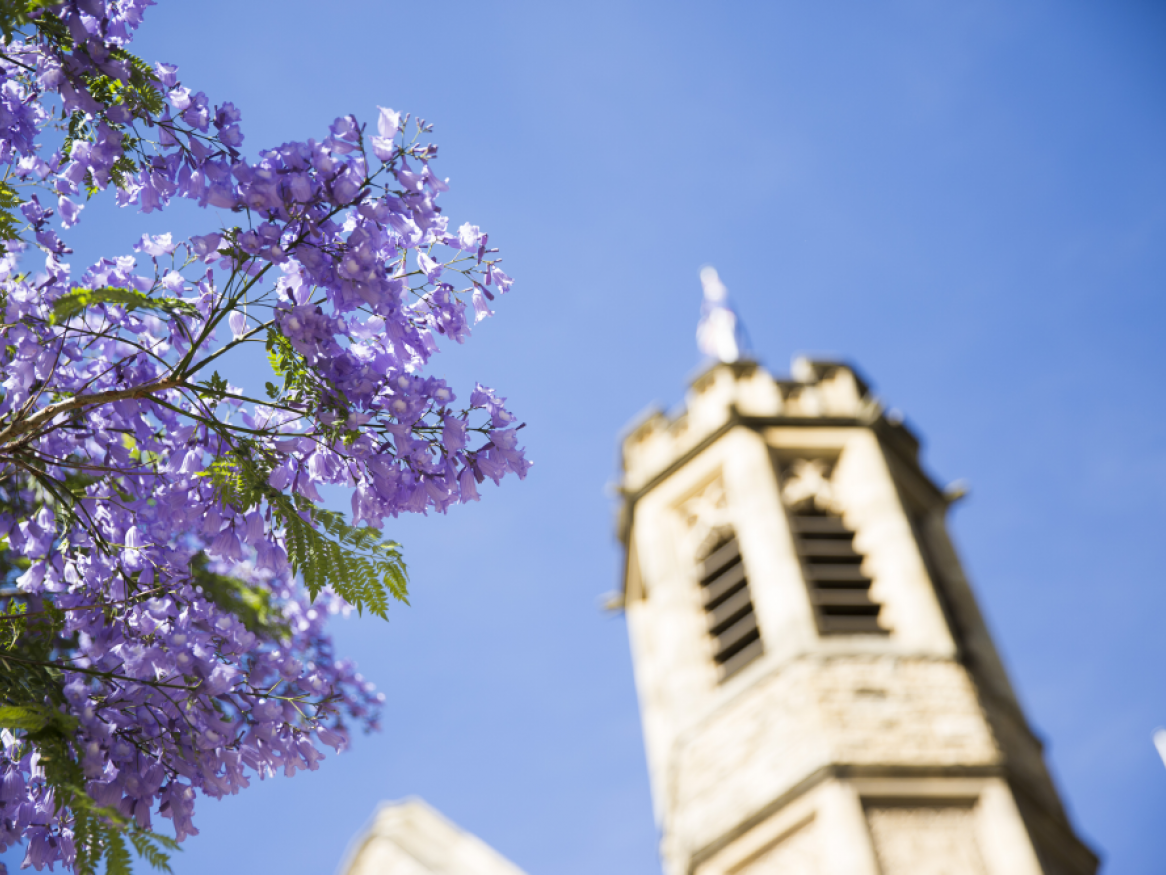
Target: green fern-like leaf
point(69, 305)
point(9, 223)
point(322, 548)
point(36, 719)
point(14, 14)
point(117, 856)
point(146, 844)
point(355, 562)
point(143, 83)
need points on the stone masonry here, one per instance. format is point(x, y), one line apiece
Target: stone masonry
point(819, 691)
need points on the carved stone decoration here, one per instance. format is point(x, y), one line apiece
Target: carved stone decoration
point(807, 483)
point(706, 519)
point(925, 839)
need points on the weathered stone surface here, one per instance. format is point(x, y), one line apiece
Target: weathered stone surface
point(817, 712)
point(796, 853)
point(909, 734)
point(926, 839)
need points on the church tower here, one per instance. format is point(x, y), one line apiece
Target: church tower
point(820, 695)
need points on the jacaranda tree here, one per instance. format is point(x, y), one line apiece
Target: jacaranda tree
point(166, 561)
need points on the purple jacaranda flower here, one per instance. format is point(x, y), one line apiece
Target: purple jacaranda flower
point(431, 268)
point(238, 323)
point(34, 212)
point(469, 236)
point(69, 211)
point(206, 246)
point(226, 545)
point(334, 738)
point(407, 177)
point(192, 461)
point(32, 165)
point(255, 530)
point(507, 443)
point(337, 288)
point(281, 477)
point(161, 244)
point(453, 434)
point(496, 276)
point(388, 122)
point(179, 98)
point(467, 485)
point(481, 308)
point(433, 181)
point(173, 282)
point(300, 187)
point(167, 74)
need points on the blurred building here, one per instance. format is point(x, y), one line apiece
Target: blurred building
point(818, 689)
point(411, 838)
point(820, 695)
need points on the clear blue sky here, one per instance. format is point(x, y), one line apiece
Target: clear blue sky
point(968, 200)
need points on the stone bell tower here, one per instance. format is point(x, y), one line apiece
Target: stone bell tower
point(820, 695)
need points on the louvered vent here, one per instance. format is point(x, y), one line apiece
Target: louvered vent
point(732, 622)
point(838, 588)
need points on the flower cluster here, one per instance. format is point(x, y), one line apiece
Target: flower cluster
point(155, 518)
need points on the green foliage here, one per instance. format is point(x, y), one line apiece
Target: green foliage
point(9, 201)
point(14, 622)
point(68, 306)
point(14, 14)
point(354, 561)
point(146, 844)
point(326, 551)
point(117, 856)
point(214, 388)
point(251, 604)
point(141, 93)
point(36, 719)
point(300, 383)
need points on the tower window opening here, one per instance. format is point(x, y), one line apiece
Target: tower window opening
point(839, 589)
point(728, 607)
